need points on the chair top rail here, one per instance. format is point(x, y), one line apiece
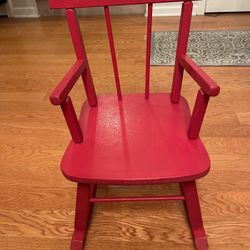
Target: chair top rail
point(61, 4)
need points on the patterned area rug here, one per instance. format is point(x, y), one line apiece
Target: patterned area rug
point(207, 48)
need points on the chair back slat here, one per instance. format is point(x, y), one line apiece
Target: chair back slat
point(184, 28)
point(74, 27)
point(148, 49)
point(112, 50)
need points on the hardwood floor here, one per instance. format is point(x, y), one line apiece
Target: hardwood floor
point(37, 202)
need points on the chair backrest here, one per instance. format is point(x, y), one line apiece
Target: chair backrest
point(185, 19)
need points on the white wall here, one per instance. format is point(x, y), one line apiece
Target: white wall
point(227, 6)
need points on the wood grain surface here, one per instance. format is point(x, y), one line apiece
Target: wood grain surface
point(37, 202)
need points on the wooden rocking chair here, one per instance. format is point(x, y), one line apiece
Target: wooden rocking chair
point(135, 138)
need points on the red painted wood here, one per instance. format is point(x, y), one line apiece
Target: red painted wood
point(148, 47)
point(72, 121)
point(186, 15)
point(133, 199)
point(113, 54)
point(207, 84)
point(134, 141)
point(81, 55)
point(75, 33)
point(198, 114)
point(137, 142)
point(63, 88)
point(82, 216)
point(62, 4)
point(189, 190)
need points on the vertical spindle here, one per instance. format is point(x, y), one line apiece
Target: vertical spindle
point(112, 50)
point(148, 48)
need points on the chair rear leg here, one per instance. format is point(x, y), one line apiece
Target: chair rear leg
point(82, 215)
point(192, 205)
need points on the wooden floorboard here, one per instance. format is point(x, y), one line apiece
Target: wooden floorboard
point(37, 202)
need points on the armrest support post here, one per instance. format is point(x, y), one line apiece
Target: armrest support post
point(198, 114)
point(71, 120)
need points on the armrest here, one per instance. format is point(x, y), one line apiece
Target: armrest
point(208, 88)
point(206, 83)
point(61, 91)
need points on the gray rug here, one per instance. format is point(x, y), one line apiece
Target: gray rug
point(207, 48)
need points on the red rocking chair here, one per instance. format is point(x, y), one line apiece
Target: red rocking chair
point(135, 138)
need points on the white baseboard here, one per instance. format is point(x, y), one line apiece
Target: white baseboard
point(23, 11)
point(174, 9)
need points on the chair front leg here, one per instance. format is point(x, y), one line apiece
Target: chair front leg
point(192, 205)
point(82, 215)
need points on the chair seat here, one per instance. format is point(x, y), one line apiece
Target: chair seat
point(135, 141)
